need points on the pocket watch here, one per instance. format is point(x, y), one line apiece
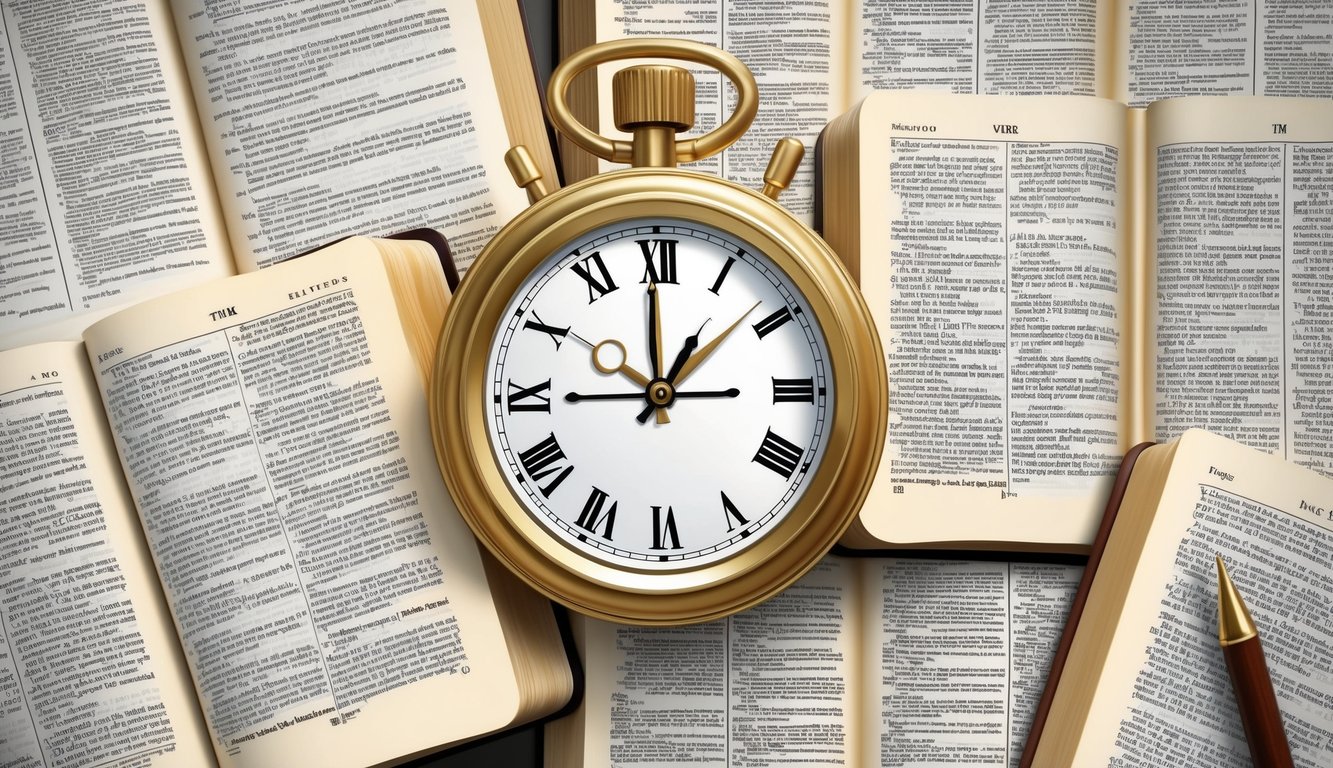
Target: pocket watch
point(658, 398)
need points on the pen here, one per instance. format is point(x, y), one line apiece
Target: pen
point(1239, 637)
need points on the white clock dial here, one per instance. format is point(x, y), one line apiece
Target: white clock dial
point(658, 449)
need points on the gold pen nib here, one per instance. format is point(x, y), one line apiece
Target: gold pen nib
point(1234, 623)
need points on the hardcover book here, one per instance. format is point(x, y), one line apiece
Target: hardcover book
point(224, 538)
point(1139, 679)
point(1058, 278)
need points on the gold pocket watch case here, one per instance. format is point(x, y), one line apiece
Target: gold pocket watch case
point(658, 398)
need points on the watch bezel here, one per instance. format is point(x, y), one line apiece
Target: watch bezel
point(500, 518)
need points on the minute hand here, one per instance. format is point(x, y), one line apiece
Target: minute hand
point(703, 352)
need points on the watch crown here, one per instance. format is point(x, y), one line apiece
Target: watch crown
point(526, 173)
point(782, 166)
point(653, 94)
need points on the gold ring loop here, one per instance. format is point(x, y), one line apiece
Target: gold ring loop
point(597, 363)
point(688, 150)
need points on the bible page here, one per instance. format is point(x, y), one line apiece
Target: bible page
point(994, 242)
point(330, 599)
point(1164, 696)
point(107, 196)
point(1240, 246)
point(327, 120)
point(1248, 47)
point(1008, 47)
point(771, 686)
point(956, 656)
point(91, 672)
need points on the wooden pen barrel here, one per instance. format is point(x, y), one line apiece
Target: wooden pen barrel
point(1258, 704)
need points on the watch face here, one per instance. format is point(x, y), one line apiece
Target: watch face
point(659, 394)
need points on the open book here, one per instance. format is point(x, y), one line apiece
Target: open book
point(814, 60)
point(149, 147)
point(864, 661)
point(1058, 278)
point(1144, 682)
point(223, 535)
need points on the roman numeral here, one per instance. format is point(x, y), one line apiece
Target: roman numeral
point(729, 511)
point(717, 284)
point(664, 529)
point(593, 515)
point(602, 286)
point(659, 260)
point(793, 390)
point(778, 454)
point(544, 459)
point(772, 322)
point(539, 396)
point(557, 334)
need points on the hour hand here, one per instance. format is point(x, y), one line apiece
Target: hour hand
point(691, 344)
point(683, 369)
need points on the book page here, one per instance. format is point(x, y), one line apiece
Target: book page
point(794, 50)
point(107, 197)
point(1252, 47)
point(957, 654)
point(1164, 696)
point(324, 120)
point(91, 672)
point(1239, 263)
point(330, 598)
point(993, 234)
point(981, 46)
point(771, 686)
